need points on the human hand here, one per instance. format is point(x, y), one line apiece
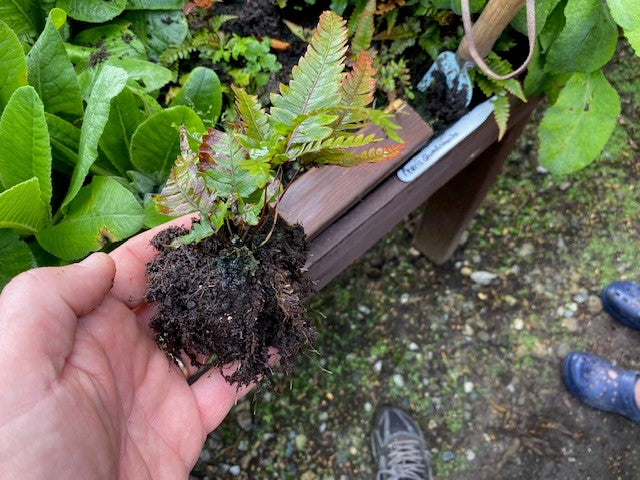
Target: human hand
point(84, 391)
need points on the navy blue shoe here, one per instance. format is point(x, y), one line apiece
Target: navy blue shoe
point(601, 385)
point(621, 300)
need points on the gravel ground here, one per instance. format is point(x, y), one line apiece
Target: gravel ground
point(472, 348)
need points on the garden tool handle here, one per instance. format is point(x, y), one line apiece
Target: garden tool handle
point(479, 38)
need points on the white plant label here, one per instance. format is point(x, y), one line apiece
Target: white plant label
point(443, 144)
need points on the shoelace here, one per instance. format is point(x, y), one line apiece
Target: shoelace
point(406, 462)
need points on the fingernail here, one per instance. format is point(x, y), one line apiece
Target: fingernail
point(91, 261)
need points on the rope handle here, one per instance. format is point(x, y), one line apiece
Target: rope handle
point(473, 51)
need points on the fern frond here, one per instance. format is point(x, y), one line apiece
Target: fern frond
point(315, 81)
point(363, 28)
point(501, 109)
point(185, 191)
point(253, 118)
point(358, 88)
point(221, 155)
point(349, 159)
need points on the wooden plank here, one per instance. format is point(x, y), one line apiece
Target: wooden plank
point(449, 211)
point(321, 195)
point(336, 247)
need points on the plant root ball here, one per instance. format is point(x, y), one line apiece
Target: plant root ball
point(231, 303)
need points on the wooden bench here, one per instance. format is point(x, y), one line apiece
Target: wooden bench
point(345, 211)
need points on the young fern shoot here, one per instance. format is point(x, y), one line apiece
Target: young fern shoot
point(315, 120)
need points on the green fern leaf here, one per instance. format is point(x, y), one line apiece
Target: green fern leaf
point(501, 110)
point(184, 191)
point(349, 159)
point(358, 88)
point(221, 155)
point(315, 81)
point(364, 28)
point(255, 123)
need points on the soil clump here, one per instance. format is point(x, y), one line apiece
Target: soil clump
point(220, 303)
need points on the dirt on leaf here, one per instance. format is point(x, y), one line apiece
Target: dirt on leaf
point(222, 304)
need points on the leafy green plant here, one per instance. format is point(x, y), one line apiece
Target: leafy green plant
point(248, 60)
point(94, 127)
point(314, 120)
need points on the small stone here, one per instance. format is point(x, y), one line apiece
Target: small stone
point(368, 407)
point(464, 238)
point(471, 455)
point(404, 298)
point(571, 324)
point(398, 380)
point(467, 330)
point(205, 456)
point(301, 441)
point(377, 366)
point(517, 324)
point(563, 350)
point(511, 389)
point(484, 336)
point(234, 470)
point(580, 297)
point(526, 250)
point(541, 169)
point(448, 456)
point(323, 417)
point(569, 313)
point(244, 419)
point(483, 278)
point(573, 306)
point(414, 252)
point(363, 309)
point(308, 475)
point(468, 387)
point(413, 346)
point(510, 300)
point(594, 305)
point(466, 271)
point(564, 186)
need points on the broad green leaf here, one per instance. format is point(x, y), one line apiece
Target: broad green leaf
point(474, 6)
point(150, 76)
point(51, 72)
point(21, 208)
point(13, 64)
point(155, 4)
point(158, 30)
point(153, 218)
point(125, 116)
point(576, 128)
point(103, 212)
point(22, 16)
point(16, 256)
point(202, 92)
point(626, 13)
point(94, 11)
point(109, 84)
point(107, 42)
point(543, 10)
point(587, 40)
point(65, 142)
point(24, 142)
point(553, 26)
point(155, 145)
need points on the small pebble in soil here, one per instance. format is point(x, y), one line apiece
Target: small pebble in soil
point(483, 278)
point(378, 366)
point(468, 387)
point(594, 305)
point(448, 456)
point(580, 297)
point(363, 309)
point(526, 250)
point(466, 271)
point(471, 456)
point(398, 380)
point(234, 470)
point(404, 298)
point(517, 324)
point(413, 346)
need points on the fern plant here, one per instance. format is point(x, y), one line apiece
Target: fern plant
point(314, 120)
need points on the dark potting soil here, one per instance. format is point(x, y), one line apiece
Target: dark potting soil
point(228, 304)
point(444, 104)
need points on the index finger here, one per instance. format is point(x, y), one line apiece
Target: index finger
point(131, 259)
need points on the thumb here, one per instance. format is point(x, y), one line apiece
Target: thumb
point(39, 309)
